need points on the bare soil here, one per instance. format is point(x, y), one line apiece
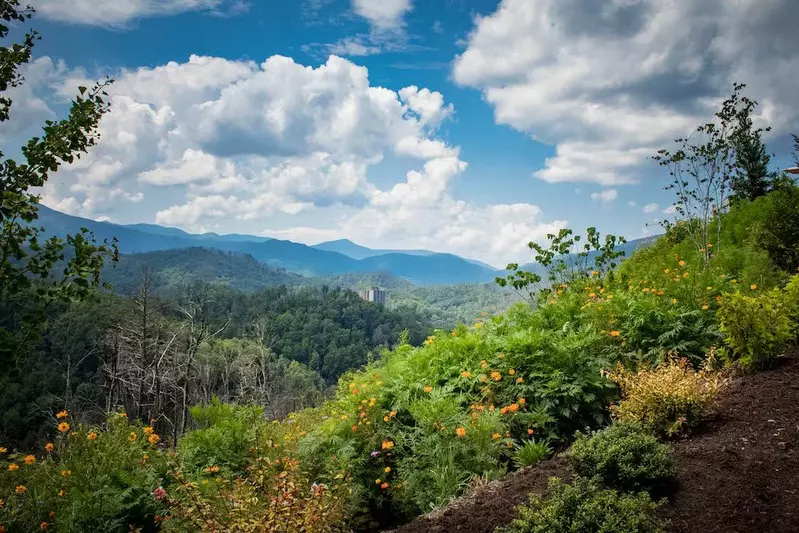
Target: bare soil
point(738, 474)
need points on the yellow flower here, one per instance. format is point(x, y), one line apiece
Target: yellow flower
point(512, 372)
point(92, 436)
point(387, 469)
point(674, 300)
point(483, 363)
point(378, 481)
point(387, 445)
point(428, 388)
point(466, 374)
point(148, 430)
point(21, 489)
point(66, 473)
point(49, 447)
point(594, 273)
point(522, 401)
point(13, 466)
point(685, 274)
point(519, 380)
point(592, 295)
point(667, 271)
point(478, 325)
point(63, 427)
point(153, 439)
point(496, 436)
point(3, 450)
point(461, 431)
point(682, 263)
point(496, 376)
point(644, 290)
point(753, 286)
point(615, 333)
point(29, 459)
point(61, 414)
point(709, 288)
point(705, 307)
point(61, 493)
point(132, 437)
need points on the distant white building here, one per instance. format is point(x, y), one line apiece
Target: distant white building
point(374, 294)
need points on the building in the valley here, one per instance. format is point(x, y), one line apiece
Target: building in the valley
point(374, 294)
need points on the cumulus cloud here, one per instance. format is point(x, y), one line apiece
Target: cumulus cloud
point(609, 82)
point(120, 12)
point(651, 208)
point(383, 14)
point(607, 196)
point(287, 150)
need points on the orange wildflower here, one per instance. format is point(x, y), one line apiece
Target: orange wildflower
point(21, 489)
point(387, 445)
point(428, 388)
point(61, 414)
point(63, 427)
point(13, 466)
point(384, 486)
point(496, 376)
point(92, 436)
point(461, 431)
point(153, 439)
point(48, 447)
point(30, 459)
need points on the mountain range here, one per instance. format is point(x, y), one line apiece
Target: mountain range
point(333, 258)
point(419, 267)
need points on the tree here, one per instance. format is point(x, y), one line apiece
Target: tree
point(752, 178)
point(27, 261)
point(703, 165)
point(795, 150)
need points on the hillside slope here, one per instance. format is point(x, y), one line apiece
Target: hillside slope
point(739, 473)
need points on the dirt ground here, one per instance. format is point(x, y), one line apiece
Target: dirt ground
point(738, 474)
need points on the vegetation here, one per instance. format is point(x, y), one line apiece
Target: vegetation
point(103, 401)
point(669, 399)
point(584, 507)
point(623, 456)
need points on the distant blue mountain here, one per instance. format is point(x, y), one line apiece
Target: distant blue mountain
point(356, 251)
point(430, 268)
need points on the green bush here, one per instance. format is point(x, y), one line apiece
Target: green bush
point(624, 456)
point(584, 507)
point(530, 453)
point(225, 435)
point(756, 328)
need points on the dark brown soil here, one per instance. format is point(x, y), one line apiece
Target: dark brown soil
point(739, 474)
point(492, 504)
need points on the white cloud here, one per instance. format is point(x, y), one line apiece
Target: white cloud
point(631, 204)
point(607, 196)
point(383, 14)
point(671, 210)
point(279, 147)
point(120, 12)
point(609, 82)
point(651, 208)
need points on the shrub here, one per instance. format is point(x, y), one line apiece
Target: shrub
point(624, 456)
point(530, 453)
point(274, 496)
point(584, 507)
point(756, 328)
point(224, 438)
point(88, 479)
point(668, 399)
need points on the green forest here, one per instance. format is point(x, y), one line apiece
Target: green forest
point(233, 397)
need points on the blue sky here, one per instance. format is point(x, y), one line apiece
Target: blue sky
point(464, 126)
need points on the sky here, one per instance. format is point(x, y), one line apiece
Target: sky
point(463, 126)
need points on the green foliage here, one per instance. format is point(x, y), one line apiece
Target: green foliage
point(225, 434)
point(777, 226)
point(26, 258)
point(756, 328)
point(562, 262)
point(624, 456)
point(584, 507)
point(92, 480)
point(530, 453)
